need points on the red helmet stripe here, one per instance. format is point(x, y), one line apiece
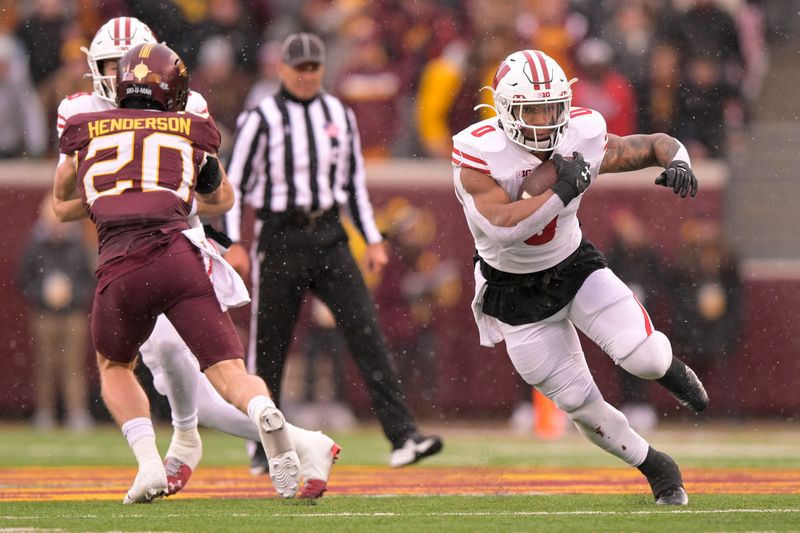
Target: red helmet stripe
point(115, 36)
point(127, 31)
point(547, 74)
point(501, 72)
point(538, 70)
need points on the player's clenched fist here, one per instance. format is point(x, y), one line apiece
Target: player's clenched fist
point(573, 176)
point(679, 176)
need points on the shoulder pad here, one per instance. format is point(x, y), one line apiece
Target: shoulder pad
point(77, 95)
point(473, 145)
point(588, 123)
point(586, 134)
point(197, 104)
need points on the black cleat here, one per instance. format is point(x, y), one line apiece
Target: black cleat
point(664, 477)
point(676, 496)
point(415, 447)
point(685, 386)
point(693, 395)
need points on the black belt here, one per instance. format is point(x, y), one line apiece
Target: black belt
point(299, 218)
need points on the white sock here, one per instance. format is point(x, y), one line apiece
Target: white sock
point(186, 446)
point(141, 438)
point(256, 406)
point(276, 441)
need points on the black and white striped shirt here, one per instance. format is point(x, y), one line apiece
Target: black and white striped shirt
point(288, 154)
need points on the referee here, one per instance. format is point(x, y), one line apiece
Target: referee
point(296, 160)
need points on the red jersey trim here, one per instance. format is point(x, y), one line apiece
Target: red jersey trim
point(469, 157)
point(648, 325)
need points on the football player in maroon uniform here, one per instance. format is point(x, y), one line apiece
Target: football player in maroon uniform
point(176, 373)
point(137, 170)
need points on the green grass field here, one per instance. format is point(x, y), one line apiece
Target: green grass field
point(768, 447)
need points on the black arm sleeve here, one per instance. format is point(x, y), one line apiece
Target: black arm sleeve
point(209, 177)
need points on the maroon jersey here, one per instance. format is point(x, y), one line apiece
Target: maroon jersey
point(137, 170)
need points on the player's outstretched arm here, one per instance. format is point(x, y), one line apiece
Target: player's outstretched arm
point(634, 152)
point(67, 205)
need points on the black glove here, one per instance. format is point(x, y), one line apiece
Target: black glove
point(573, 176)
point(680, 177)
point(209, 177)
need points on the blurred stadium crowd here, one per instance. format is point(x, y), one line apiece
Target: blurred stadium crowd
point(412, 71)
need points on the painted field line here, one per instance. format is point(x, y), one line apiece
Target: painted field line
point(91, 483)
point(438, 514)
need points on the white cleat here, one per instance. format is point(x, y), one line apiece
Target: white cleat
point(284, 470)
point(284, 465)
point(150, 483)
point(316, 459)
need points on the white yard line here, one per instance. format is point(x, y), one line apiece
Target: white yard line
point(437, 514)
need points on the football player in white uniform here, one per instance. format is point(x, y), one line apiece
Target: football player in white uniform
point(537, 278)
point(176, 372)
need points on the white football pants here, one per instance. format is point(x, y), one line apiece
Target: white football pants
point(548, 355)
point(176, 375)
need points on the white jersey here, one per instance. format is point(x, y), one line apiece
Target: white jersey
point(484, 146)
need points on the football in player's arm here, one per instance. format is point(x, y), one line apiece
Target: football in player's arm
point(623, 154)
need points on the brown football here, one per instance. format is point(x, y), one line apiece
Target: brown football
point(539, 180)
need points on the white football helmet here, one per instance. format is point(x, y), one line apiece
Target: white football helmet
point(111, 41)
point(532, 97)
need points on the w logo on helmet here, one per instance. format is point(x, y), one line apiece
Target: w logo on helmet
point(502, 70)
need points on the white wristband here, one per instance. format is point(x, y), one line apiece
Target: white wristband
point(682, 154)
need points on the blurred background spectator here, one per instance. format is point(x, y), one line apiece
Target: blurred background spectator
point(634, 259)
point(602, 88)
point(412, 71)
point(57, 279)
point(230, 21)
point(22, 128)
point(369, 84)
point(443, 82)
point(267, 83)
point(42, 33)
point(222, 82)
point(416, 285)
point(707, 299)
point(67, 80)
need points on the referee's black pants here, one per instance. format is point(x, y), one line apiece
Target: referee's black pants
point(297, 256)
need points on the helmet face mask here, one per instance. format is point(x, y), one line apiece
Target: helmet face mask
point(111, 42)
point(532, 97)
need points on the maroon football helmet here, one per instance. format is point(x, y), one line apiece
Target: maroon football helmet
point(153, 72)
